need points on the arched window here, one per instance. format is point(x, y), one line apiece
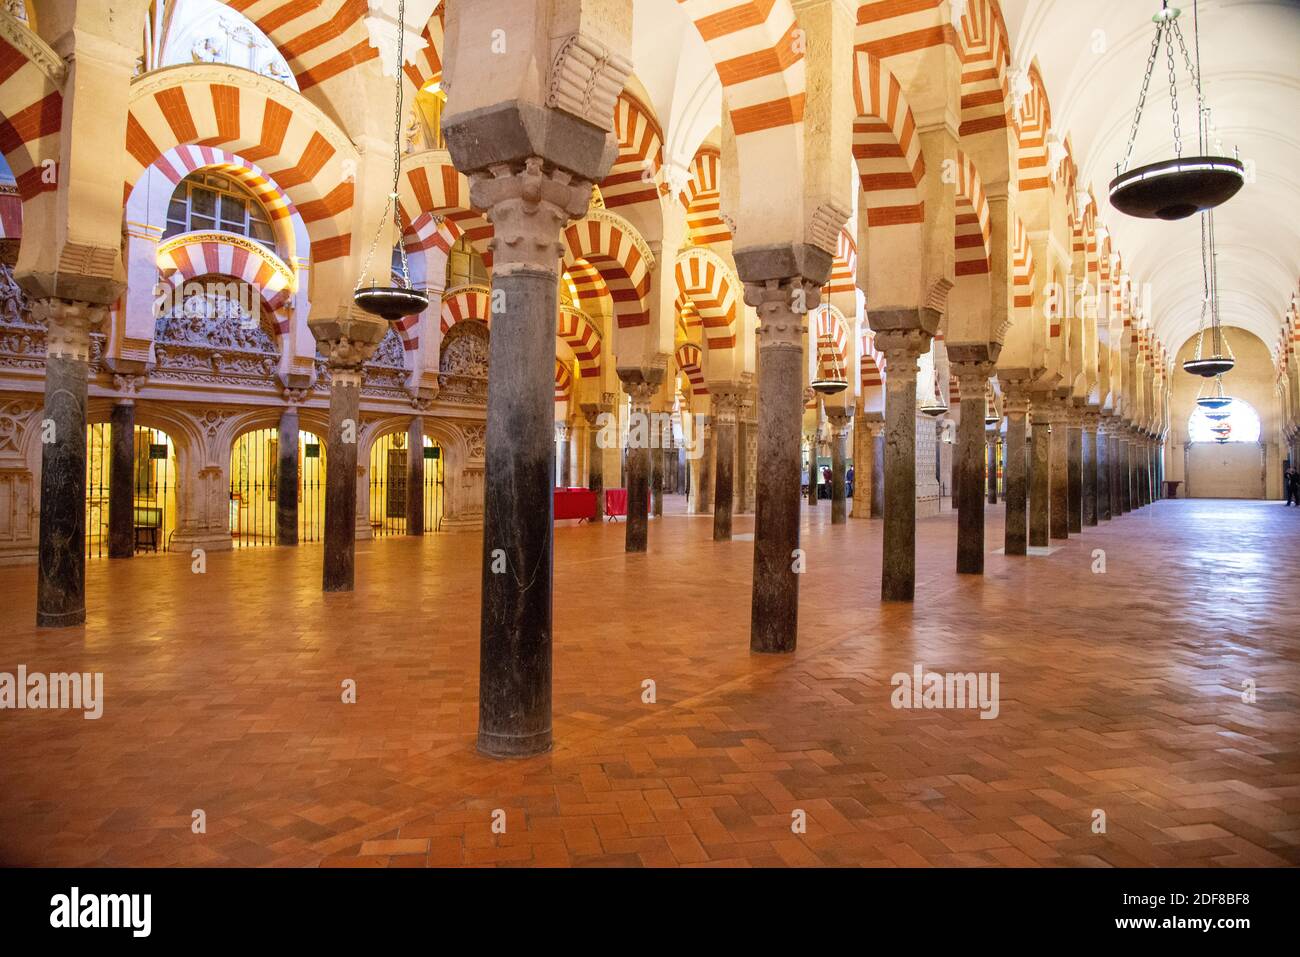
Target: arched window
point(212, 201)
point(464, 266)
point(1242, 422)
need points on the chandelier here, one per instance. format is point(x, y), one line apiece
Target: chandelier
point(1220, 359)
point(1215, 398)
point(1175, 188)
point(394, 302)
point(835, 381)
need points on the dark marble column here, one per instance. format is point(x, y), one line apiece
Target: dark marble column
point(725, 405)
point(1115, 450)
point(704, 490)
point(992, 438)
point(814, 472)
point(878, 469)
point(596, 456)
point(841, 421)
point(1075, 474)
point(778, 560)
point(640, 385)
point(902, 348)
point(1125, 474)
point(1060, 471)
point(1103, 470)
point(969, 455)
point(1090, 469)
point(341, 477)
point(657, 477)
point(1015, 474)
point(61, 570)
point(415, 476)
point(121, 483)
point(1040, 475)
point(286, 479)
point(528, 204)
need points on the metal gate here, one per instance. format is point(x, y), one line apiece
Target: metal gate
point(254, 479)
point(153, 482)
point(388, 458)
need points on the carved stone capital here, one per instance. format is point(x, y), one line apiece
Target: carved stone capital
point(972, 377)
point(901, 349)
point(726, 404)
point(68, 326)
point(127, 387)
point(841, 419)
point(641, 384)
point(528, 204)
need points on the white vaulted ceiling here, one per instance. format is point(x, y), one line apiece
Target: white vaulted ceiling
point(1092, 56)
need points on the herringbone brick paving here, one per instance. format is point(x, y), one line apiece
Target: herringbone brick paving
point(1119, 692)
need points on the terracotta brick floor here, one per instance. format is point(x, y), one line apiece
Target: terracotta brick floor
point(1119, 692)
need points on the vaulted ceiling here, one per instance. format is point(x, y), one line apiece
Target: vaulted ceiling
point(1092, 56)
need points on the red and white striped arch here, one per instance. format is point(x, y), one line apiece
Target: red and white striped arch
point(752, 43)
point(690, 361)
point(971, 240)
point(427, 64)
point(575, 330)
point(634, 177)
point(833, 337)
point(563, 382)
point(886, 146)
point(708, 284)
point(265, 123)
point(702, 199)
point(1031, 141)
point(465, 302)
point(986, 57)
point(432, 192)
point(872, 367)
point(191, 257)
point(320, 40)
point(844, 268)
point(31, 116)
point(1022, 268)
point(604, 241)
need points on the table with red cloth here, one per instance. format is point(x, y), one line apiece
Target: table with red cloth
point(616, 502)
point(577, 503)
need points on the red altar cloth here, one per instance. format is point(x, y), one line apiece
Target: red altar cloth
point(574, 503)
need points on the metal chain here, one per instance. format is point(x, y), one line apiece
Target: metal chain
point(392, 204)
point(1173, 91)
point(1196, 85)
point(1142, 98)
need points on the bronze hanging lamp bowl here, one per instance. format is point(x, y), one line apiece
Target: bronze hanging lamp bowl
point(393, 303)
point(1217, 415)
point(1176, 188)
point(934, 409)
point(829, 386)
point(1209, 368)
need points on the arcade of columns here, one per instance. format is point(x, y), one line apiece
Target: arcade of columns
point(974, 241)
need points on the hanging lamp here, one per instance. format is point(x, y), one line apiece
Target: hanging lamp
point(934, 407)
point(394, 302)
point(1220, 359)
point(1215, 399)
point(836, 382)
point(1175, 188)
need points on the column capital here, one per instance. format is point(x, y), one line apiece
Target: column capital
point(641, 384)
point(725, 403)
point(902, 348)
point(841, 419)
point(68, 325)
point(972, 375)
point(873, 421)
point(528, 203)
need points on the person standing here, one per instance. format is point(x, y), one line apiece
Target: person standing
point(1293, 488)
